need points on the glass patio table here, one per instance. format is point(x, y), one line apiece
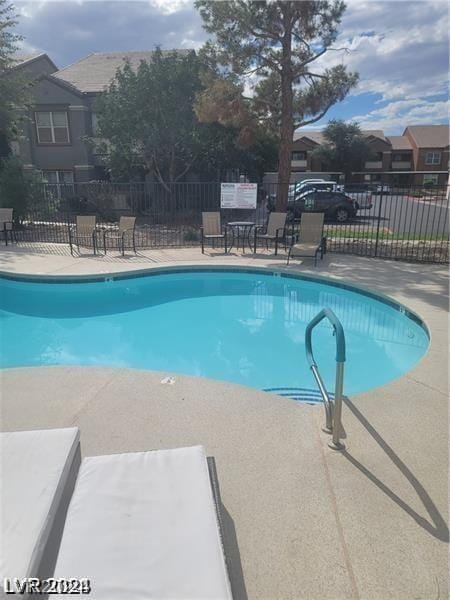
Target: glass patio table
point(240, 232)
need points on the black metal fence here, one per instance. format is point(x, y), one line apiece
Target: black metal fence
point(398, 223)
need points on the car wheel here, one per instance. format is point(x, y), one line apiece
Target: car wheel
point(342, 215)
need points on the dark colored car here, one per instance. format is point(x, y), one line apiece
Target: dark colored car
point(336, 205)
point(358, 188)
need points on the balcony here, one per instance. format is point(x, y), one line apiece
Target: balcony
point(373, 164)
point(298, 163)
point(401, 164)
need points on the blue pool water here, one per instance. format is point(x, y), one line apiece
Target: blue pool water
point(243, 327)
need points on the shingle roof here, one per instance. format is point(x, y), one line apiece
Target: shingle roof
point(95, 72)
point(313, 135)
point(317, 136)
point(429, 136)
point(21, 58)
point(399, 142)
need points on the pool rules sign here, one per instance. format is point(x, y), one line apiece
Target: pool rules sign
point(238, 195)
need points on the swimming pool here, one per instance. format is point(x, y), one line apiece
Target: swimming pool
point(242, 326)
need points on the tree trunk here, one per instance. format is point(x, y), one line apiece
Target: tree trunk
point(287, 121)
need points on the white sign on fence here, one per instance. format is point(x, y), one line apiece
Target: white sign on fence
point(238, 195)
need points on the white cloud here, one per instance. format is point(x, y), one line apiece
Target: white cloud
point(169, 7)
point(400, 48)
point(398, 114)
point(401, 51)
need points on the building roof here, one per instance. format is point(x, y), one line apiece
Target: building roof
point(96, 71)
point(399, 142)
point(429, 136)
point(21, 59)
point(313, 135)
point(317, 136)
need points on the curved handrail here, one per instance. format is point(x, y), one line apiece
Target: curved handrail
point(338, 329)
point(332, 411)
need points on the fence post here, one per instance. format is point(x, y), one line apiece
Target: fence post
point(378, 225)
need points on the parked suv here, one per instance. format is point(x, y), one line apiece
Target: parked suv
point(337, 206)
point(314, 184)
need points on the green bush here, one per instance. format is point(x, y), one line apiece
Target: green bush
point(428, 183)
point(191, 236)
point(20, 189)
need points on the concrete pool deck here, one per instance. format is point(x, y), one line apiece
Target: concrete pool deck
point(301, 521)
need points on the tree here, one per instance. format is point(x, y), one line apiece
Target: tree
point(345, 147)
point(20, 189)
point(14, 86)
point(148, 123)
point(277, 43)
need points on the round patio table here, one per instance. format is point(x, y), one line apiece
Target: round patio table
point(236, 228)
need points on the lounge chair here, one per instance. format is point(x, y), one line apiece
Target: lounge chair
point(83, 233)
point(126, 230)
point(311, 238)
point(212, 229)
point(145, 525)
point(7, 224)
point(274, 231)
point(38, 471)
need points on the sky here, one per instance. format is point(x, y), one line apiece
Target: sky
point(400, 48)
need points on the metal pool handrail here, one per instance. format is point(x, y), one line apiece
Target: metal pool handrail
point(333, 411)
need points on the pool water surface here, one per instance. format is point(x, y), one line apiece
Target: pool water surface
point(244, 327)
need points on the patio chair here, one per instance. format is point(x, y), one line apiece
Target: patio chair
point(7, 224)
point(83, 233)
point(126, 230)
point(311, 238)
point(146, 524)
point(274, 231)
point(211, 229)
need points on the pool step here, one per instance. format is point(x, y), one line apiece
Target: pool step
point(300, 394)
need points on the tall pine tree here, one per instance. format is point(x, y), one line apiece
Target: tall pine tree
point(277, 44)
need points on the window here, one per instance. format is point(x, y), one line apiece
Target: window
point(52, 127)
point(94, 123)
point(433, 178)
point(61, 177)
point(433, 158)
point(298, 155)
point(59, 183)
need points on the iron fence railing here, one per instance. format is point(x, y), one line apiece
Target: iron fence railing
point(400, 223)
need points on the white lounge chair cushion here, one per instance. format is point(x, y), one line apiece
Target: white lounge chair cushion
point(305, 248)
point(143, 525)
point(35, 468)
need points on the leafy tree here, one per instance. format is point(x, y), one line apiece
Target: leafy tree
point(20, 189)
point(345, 147)
point(148, 123)
point(276, 43)
point(14, 86)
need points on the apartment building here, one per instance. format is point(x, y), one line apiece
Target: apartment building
point(53, 139)
point(420, 154)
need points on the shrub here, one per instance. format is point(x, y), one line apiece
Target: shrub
point(191, 236)
point(20, 189)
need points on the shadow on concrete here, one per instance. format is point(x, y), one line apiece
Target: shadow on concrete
point(437, 527)
point(233, 557)
point(229, 539)
point(419, 281)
